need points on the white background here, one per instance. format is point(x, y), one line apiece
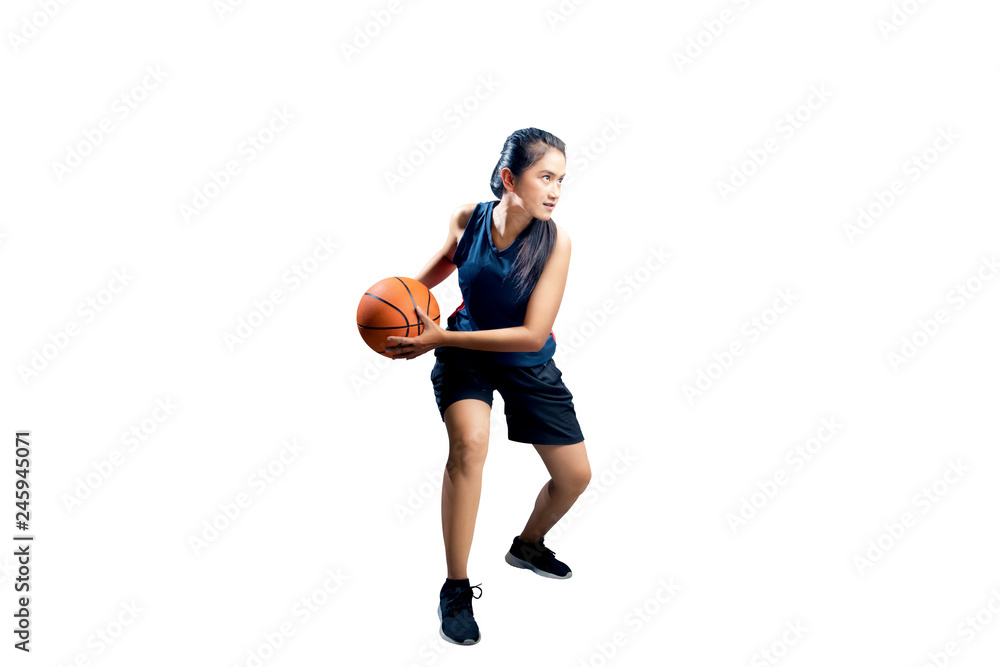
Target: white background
point(649, 141)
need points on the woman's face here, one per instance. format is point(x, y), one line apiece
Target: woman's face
point(542, 184)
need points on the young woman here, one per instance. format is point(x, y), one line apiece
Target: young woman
point(512, 264)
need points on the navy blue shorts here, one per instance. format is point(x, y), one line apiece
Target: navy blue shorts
point(538, 406)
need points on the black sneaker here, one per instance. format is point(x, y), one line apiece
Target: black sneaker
point(538, 558)
point(458, 626)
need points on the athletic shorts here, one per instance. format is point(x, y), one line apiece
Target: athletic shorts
point(538, 406)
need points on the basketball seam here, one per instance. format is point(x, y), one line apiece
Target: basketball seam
point(405, 318)
point(379, 328)
point(412, 303)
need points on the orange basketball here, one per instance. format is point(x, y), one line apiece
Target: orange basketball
point(388, 308)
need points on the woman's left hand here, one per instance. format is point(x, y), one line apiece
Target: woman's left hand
point(399, 347)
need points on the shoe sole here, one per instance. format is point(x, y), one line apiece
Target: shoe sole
point(467, 642)
point(523, 564)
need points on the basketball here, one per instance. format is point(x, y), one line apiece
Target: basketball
point(388, 308)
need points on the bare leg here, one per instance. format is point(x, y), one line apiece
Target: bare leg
point(468, 423)
point(570, 472)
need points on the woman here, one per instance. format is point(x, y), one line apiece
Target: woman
point(512, 264)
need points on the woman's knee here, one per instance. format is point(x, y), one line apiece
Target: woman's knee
point(468, 423)
point(467, 450)
point(575, 479)
point(568, 466)
point(467, 453)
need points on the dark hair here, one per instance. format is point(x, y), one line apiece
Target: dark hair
point(521, 151)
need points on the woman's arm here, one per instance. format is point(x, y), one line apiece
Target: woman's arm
point(440, 265)
point(510, 339)
point(543, 305)
point(436, 270)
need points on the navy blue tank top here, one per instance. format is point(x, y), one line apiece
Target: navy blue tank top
point(486, 302)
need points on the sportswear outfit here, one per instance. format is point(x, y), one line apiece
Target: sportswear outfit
point(537, 404)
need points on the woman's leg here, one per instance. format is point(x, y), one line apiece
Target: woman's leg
point(468, 423)
point(570, 472)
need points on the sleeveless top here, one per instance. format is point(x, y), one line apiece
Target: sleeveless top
point(486, 303)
